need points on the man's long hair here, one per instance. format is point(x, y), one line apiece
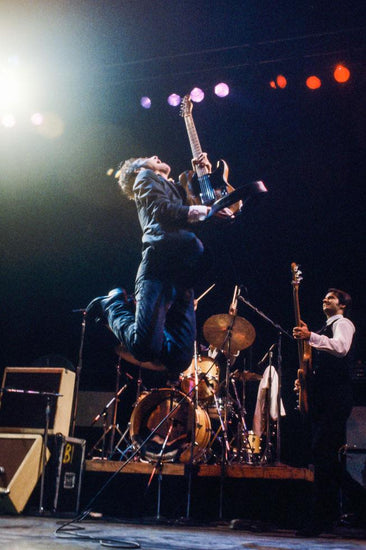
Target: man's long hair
point(127, 176)
point(344, 299)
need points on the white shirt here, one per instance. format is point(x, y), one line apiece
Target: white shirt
point(340, 343)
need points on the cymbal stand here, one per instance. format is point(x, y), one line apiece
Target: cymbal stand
point(113, 428)
point(195, 406)
point(193, 433)
point(243, 440)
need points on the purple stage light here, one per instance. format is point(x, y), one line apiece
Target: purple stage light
point(174, 100)
point(222, 89)
point(197, 95)
point(145, 102)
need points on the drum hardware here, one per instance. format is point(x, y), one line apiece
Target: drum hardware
point(113, 428)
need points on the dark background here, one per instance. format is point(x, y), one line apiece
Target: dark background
point(68, 235)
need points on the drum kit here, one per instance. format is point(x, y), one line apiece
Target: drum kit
point(202, 418)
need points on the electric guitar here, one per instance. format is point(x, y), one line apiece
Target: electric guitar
point(303, 346)
point(201, 186)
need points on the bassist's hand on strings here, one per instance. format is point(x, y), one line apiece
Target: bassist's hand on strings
point(301, 332)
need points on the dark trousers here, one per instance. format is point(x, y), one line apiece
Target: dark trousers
point(331, 479)
point(163, 326)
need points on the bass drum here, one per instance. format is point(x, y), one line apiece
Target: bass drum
point(172, 440)
point(208, 375)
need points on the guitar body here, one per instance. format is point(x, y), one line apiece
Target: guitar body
point(208, 188)
point(202, 187)
point(303, 375)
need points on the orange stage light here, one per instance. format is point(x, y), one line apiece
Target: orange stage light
point(341, 73)
point(281, 81)
point(313, 82)
point(273, 84)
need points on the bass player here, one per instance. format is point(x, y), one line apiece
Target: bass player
point(330, 404)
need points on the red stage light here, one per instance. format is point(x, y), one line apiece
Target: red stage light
point(273, 84)
point(341, 73)
point(313, 82)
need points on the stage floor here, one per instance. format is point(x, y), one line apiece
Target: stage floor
point(39, 533)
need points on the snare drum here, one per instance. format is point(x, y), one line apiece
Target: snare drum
point(208, 378)
point(172, 441)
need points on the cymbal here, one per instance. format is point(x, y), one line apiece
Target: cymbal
point(224, 330)
point(127, 356)
point(246, 376)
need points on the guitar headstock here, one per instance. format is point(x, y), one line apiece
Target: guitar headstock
point(296, 274)
point(186, 106)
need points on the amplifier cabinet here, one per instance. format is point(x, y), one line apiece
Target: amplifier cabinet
point(21, 466)
point(69, 461)
point(25, 412)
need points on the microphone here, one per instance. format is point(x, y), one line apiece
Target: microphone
point(268, 354)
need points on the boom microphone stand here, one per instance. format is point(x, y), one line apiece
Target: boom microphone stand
point(280, 332)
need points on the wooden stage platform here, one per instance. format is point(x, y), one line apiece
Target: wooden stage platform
point(242, 471)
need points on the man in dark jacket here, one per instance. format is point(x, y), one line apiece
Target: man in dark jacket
point(159, 326)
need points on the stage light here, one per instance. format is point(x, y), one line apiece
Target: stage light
point(273, 84)
point(8, 120)
point(313, 82)
point(341, 73)
point(37, 119)
point(174, 100)
point(281, 81)
point(9, 88)
point(222, 89)
point(197, 95)
point(145, 102)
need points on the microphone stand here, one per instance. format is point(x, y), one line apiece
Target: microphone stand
point(280, 331)
point(78, 370)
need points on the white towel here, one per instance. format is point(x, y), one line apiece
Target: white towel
point(270, 378)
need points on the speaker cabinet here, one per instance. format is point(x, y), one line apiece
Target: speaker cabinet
point(20, 467)
point(356, 442)
point(23, 411)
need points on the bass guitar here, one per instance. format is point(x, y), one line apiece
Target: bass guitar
point(201, 186)
point(303, 346)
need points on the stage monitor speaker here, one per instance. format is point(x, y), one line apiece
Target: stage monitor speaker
point(356, 442)
point(25, 412)
point(20, 468)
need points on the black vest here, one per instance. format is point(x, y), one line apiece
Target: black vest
point(331, 381)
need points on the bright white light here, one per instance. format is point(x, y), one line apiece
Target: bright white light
point(37, 119)
point(9, 88)
point(197, 95)
point(8, 120)
point(145, 102)
point(174, 100)
point(222, 89)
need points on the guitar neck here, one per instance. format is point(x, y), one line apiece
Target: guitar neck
point(300, 343)
point(194, 143)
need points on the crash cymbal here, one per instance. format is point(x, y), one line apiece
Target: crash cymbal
point(127, 356)
point(224, 330)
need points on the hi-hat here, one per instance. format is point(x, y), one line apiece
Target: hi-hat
point(228, 332)
point(247, 376)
